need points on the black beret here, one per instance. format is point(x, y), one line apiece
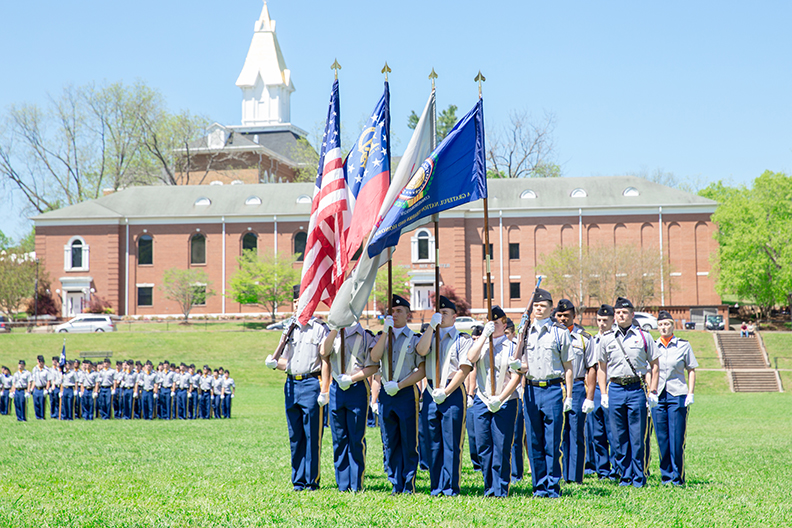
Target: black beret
point(476, 331)
point(621, 302)
point(663, 315)
point(446, 303)
point(22, 362)
point(565, 305)
point(497, 312)
point(605, 309)
point(400, 301)
point(542, 295)
point(509, 323)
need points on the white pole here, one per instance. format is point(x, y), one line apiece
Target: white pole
point(223, 288)
point(662, 271)
point(580, 258)
point(500, 220)
point(275, 245)
point(126, 271)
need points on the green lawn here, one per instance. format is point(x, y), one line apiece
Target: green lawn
point(236, 472)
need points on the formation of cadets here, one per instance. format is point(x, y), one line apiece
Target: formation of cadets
point(576, 403)
point(132, 390)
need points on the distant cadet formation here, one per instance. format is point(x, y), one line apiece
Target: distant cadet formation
point(576, 403)
point(131, 391)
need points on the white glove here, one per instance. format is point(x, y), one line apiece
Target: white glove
point(420, 405)
point(436, 318)
point(652, 401)
point(515, 365)
point(388, 324)
point(470, 400)
point(95, 395)
point(271, 362)
point(588, 406)
point(689, 399)
point(391, 387)
point(222, 396)
point(375, 408)
point(112, 392)
point(81, 393)
point(489, 329)
point(568, 405)
point(134, 395)
point(155, 395)
point(494, 405)
point(61, 393)
point(27, 394)
point(344, 381)
point(232, 395)
point(604, 401)
point(439, 396)
point(51, 391)
point(323, 398)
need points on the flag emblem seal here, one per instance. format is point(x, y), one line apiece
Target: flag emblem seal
point(416, 188)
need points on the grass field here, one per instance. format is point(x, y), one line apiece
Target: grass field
point(236, 472)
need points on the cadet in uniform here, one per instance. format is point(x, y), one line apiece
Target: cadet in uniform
point(518, 447)
point(398, 398)
point(205, 407)
point(55, 376)
point(88, 391)
point(626, 354)
point(470, 422)
point(79, 373)
point(21, 383)
point(494, 408)
point(5, 389)
point(195, 382)
point(675, 396)
point(445, 399)
point(548, 361)
point(146, 388)
point(115, 393)
point(68, 384)
point(229, 388)
point(348, 406)
point(106, 384)
point(182, 381)
point(303, 399)
point(584, 375)
point(128, 396)
point(41, 386)
point(601, 448)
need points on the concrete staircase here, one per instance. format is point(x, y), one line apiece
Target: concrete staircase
point(746, 363)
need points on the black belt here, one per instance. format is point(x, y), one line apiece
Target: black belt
point(546, 383)
point(42, 387)
point(106, 387)
point(300, 377)
point(580, 379)
point(626, 381)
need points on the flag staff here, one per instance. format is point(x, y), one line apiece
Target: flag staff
point(480, 78)
point(386, 69)
point(335, 67)
point(436, 217)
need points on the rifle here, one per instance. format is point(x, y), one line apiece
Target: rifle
point(279, 351)
point(635, 372)
point(526, 317)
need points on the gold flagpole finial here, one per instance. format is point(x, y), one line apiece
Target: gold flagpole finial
point(433, 76)
point(386, 70)
point(335, 67)
point(480, 78)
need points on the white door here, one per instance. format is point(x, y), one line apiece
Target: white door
point(73, 303)
point(420, 294)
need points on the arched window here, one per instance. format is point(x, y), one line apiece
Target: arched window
point(299, 245)
point(145, 250)
point(77, 254)
point(198, 249)
point(423, 246)
point(249, 242)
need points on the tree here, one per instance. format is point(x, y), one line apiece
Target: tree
point(443, 124)
point(17, 280)
point(462, 304)
point(5, 242)
point(188, 288)
point(400, 285)
point(266, 279)
point(754, 258)
point(47, 305)
point(691, 184)
point(525, 148)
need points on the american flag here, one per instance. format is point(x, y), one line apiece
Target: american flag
point(325, 258)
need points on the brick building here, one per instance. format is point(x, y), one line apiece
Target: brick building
point(119, 246)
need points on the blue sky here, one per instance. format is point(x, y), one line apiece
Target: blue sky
point(700, 89)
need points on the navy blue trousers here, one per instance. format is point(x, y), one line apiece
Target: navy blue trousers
point(205, 405)
point(20, 405)
point(544, 425)
point(423, 437)
point(628, 419)
point(67, 403)
point(600, 453)
point(670, 423)
point(104, 401)
point(494, 438)
point(226, 405)
point(147, 404)
point(181, 404)
point(573, 446)
point(77, 405)
point(444, 426)
point(4, 401)
point(399, 425)
point(54, 401)
point(304, 418)
point(118, 408)
point(193, 409)
point(216, 408)
point(165, 403)
point(518, 447)
point(88, 405)
point(348, 415)
point(40, 403)
point(127, 401)
point(470, 425)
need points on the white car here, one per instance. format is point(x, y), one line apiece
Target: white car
point(84, 323)
point(645, 320)
point(465, 323)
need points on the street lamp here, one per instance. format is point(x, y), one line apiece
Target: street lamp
point(35, 296)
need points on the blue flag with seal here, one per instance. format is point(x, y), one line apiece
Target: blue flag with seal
point(454, 174)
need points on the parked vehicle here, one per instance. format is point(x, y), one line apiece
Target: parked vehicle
point(645, 320)
point(715, 322)
point(280, 325)
point(85, 323)
point(4, 326)
point(465, 323)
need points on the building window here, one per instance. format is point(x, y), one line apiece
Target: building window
point(484, 252)
point(299, 245)
point(514, 290)
point(491, 291)
point(145, 250)
point(199, 295)
point(145, 296)
point(75, 255)
point(514, 250)
point(198, 249)
point(249, 242)
point(422, 246)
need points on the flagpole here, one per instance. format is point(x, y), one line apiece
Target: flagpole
point(479, 78)
point(436, 218)
point(386, 70)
